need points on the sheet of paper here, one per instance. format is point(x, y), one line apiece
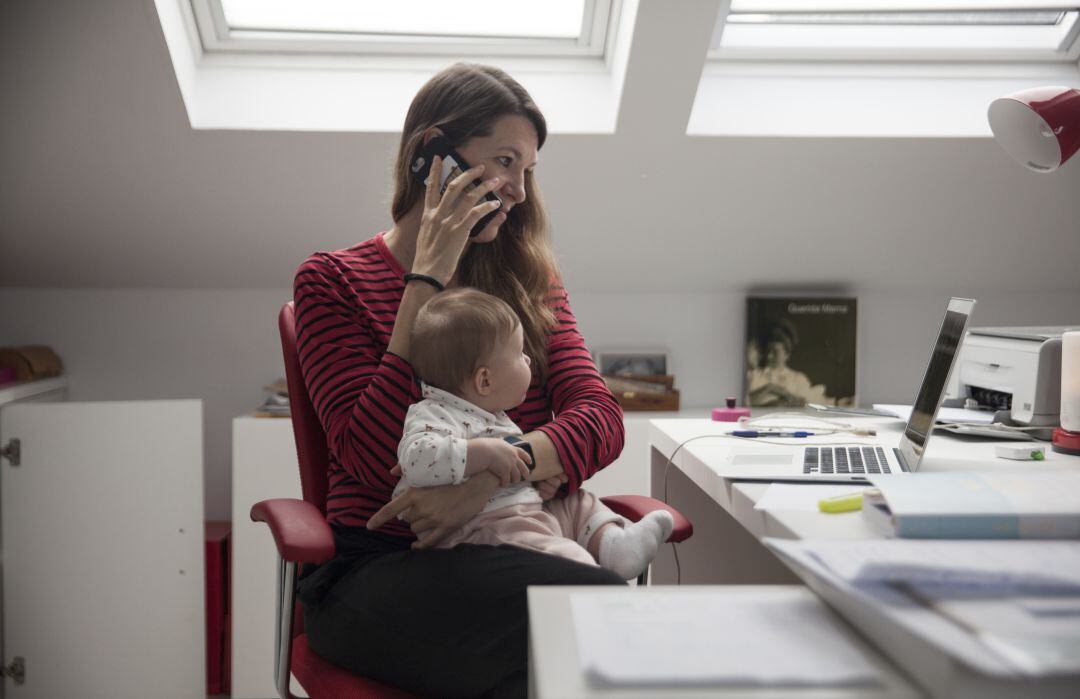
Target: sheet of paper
point(982, 417)
point(1040, 643)
point(802, 497)
point(1005, 566)
point(707, 639)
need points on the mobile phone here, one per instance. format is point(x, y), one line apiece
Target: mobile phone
point(452, 166)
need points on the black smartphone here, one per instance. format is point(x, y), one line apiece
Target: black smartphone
point(452, 166)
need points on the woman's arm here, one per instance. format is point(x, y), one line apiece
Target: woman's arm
point(587, 432)
point(359, 393)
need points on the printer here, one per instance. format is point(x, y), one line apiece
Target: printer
point(1017, 370)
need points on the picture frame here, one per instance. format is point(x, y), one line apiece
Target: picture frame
point(621, 362)
point(799, 350)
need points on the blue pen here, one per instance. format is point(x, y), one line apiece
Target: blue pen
point(766, 433)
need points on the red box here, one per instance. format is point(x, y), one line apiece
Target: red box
point(217, 606)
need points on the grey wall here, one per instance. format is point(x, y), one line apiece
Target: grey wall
point(154, 257)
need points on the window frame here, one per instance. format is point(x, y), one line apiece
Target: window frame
point(218, 39)
point(1068, 51)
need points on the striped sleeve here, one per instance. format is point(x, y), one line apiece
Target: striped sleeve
point(588, 427)
point(360, 392)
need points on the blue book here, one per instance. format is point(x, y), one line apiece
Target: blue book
point(976, 505)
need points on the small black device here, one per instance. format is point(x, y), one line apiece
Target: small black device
point(520, 443)
point(452, 166)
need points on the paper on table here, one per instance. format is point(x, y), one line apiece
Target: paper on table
point(706, 639)
point(1000, 565)
point(983, 417)
point(802, 497)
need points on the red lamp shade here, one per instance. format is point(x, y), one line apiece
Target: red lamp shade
point(1039, 127)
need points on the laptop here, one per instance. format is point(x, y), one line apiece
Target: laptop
point(854, 462)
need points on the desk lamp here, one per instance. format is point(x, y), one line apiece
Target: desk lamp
point(1039, 127)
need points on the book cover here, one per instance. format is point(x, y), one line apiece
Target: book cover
point(800, 350)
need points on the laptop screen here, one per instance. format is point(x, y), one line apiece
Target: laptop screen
point(932, 390)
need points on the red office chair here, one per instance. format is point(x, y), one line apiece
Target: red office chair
point(302, 535)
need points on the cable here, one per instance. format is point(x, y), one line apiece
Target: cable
point(995, 426)
point(756, 440)
point(832, 426)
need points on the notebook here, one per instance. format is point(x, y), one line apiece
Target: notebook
point(966, 505)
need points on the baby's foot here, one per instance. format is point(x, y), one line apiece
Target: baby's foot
point(629, 550)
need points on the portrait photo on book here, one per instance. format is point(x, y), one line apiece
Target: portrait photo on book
point(799, 350)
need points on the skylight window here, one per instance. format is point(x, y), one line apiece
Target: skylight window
point(904, 29)
point(449, 27)
point(561, 19)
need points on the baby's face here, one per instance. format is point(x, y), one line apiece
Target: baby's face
point(510, 373)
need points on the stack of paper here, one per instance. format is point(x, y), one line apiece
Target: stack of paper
point(1000, 566)
point(1006, 608)
point(702, 639)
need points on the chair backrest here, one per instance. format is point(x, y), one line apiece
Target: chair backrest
point(311, 447)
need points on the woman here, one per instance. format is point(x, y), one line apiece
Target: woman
point(442, 622)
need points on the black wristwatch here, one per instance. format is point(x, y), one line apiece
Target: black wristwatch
point(520, 443)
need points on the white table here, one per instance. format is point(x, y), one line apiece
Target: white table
point(555, 671)
point(727, 528)
point(726, 544)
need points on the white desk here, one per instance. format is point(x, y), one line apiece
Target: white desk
point(726, 544)
point(731, 532)
point(555, 671)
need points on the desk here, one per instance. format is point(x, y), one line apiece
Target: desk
point(726, 544)
point(555, 670)
point(727, 528)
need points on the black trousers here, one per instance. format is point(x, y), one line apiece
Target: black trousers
point(436, 622)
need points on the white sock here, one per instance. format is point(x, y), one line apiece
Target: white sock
point(629, 550)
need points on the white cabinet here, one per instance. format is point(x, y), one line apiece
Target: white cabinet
point(264, 466)
point(102, 520)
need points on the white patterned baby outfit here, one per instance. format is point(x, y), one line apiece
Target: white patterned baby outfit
point(433, 451)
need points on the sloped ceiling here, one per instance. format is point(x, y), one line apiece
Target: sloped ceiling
point(104, 184)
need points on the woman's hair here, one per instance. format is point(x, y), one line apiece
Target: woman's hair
point(455, 333)
point(464, 101)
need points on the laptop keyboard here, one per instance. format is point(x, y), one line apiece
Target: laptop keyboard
point(853, 459)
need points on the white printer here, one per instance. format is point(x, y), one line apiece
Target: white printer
point(1012, 369)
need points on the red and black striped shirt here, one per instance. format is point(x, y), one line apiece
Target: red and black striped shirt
point(346, 303)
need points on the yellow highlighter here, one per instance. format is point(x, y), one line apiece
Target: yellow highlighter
point(841, 503)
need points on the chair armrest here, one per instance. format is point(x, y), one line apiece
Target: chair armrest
point(634, 507)
point(300, 530)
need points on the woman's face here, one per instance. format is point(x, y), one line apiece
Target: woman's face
point(507, 153)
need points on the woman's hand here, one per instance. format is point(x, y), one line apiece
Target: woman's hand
point(550, 486)
point(447, 220)
point(433, 513)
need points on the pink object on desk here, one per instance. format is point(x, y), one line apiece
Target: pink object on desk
point(7, 375)
point(730, 413)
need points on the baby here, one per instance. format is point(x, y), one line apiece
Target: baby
point(467, 348)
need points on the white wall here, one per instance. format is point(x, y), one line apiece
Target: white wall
point(222, 345)
point(129, 344)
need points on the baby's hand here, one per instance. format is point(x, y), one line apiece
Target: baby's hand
point(550, 486)
point(506, 461)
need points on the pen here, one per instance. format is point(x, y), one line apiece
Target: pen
point(767, 433)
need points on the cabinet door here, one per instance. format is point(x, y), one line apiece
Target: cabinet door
point(102, 526)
